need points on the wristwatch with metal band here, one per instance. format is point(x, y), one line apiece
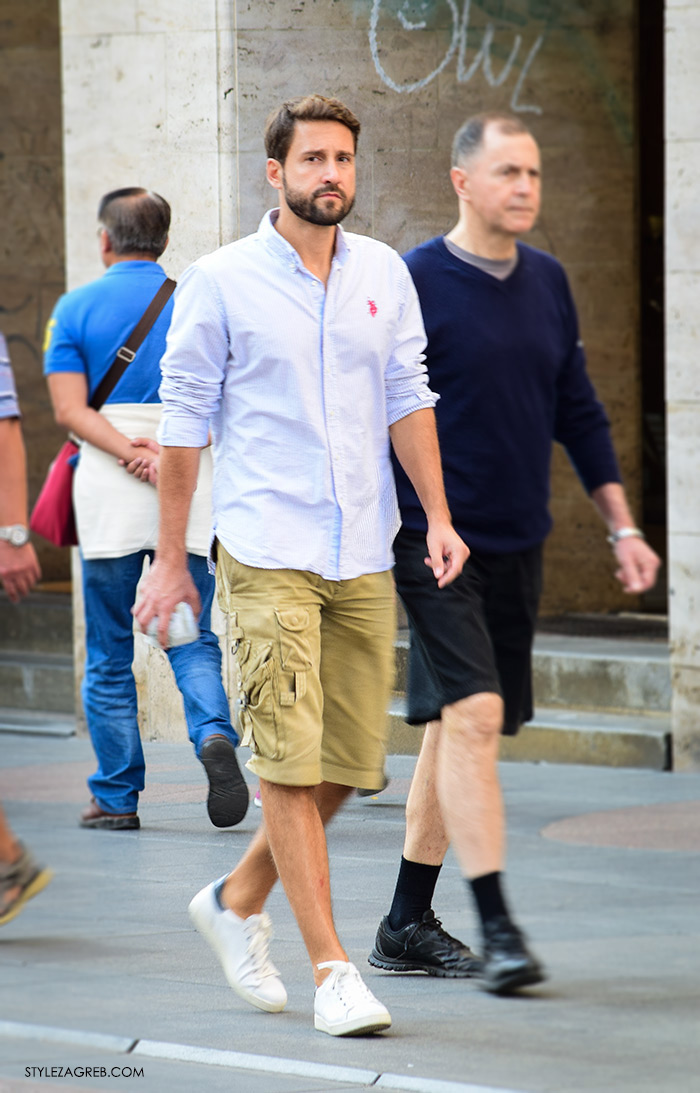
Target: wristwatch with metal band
point(625, 533)
point(15, 534)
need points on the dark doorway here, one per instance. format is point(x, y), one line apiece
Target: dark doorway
point(650, 127)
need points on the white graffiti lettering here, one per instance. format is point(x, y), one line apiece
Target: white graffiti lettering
point(458, 45)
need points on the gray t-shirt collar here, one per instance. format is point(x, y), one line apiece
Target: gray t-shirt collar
point(500, 268)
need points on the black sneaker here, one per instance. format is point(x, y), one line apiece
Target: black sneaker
point(423, 947)
point(508, 963)
point(228, 798)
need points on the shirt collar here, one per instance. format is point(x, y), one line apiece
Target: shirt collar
point(277, 243)
point(142, 264)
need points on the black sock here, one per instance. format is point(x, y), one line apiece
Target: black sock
point(488, 895)
point(413, 894)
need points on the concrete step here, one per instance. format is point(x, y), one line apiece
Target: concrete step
point(585, 737)
point(37, 681)
point(36, 722)
point(42, 621)
point(602, 673)
point(594, 673)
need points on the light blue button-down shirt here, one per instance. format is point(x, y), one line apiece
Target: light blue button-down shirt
point(9, 407)
point(299, 383)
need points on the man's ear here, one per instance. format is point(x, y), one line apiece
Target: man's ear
point(274, 170)
point(460, 182)
point(105, 244)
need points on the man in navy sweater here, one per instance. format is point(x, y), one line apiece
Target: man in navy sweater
point(505, 356)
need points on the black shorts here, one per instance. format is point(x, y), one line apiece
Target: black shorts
point(474, 635)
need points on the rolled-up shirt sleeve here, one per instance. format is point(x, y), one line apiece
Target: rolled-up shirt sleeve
point(406, 376)
point(9, 406)
point(195, 361)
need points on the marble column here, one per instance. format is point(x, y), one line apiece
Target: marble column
point(683, 372)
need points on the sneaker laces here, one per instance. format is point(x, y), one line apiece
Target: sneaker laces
point(432, 924)
point(259, 932)
point(347, 983)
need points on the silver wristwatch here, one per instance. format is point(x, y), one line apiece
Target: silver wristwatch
point(15, 534)
point(625, 533)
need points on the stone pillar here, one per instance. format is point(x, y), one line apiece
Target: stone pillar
point(142, 107)
point(682, 373)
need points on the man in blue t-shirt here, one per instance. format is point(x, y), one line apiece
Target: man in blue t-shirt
point(117, 516)
point(504, 354)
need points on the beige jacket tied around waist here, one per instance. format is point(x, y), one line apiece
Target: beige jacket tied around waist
point(116, 513)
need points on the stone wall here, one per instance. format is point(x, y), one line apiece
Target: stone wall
point(173, 95)
point(682, 373)
point(31, 240)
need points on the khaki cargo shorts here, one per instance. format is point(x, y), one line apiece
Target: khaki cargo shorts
point(314, 661)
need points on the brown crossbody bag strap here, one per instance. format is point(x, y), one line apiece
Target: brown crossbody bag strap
point(127, 352)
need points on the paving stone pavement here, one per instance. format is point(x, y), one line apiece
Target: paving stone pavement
point(104, 971)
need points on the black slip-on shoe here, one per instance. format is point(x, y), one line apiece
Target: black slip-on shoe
point(228, 798)
point(508, 963)
point(423, 947)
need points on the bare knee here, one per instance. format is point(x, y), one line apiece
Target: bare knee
point(479, 716)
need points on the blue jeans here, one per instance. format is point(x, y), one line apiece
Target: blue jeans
point(109, 688)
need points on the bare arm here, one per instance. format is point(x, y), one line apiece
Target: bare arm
point(19, 566)
point(168, 581)
point(638, 563)
point(69, 396)
point(414, 439)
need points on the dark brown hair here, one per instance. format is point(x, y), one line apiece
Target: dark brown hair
point(136, 220)
point(279, 127)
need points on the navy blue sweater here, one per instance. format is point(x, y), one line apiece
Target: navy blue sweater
point(506, 360)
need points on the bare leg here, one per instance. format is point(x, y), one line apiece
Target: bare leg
point(21, 877)
point(10, 852)
point(10, 849)
point(467, 782)
point(291, 844)
point(426, 838)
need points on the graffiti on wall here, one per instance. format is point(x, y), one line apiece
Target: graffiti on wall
point(457, 47)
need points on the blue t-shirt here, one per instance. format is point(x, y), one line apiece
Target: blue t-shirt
point(506, 359)
point(89, 324)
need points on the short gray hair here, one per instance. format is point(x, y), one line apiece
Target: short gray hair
point(469, 138)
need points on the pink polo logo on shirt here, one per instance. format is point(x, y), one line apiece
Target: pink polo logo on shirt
point(372, 307)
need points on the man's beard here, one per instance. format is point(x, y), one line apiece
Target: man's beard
point(307, 208)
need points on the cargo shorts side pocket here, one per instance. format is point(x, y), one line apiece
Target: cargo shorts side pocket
point(295, 653)
point(258, 720)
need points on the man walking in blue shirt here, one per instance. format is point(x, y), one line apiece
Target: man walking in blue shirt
point(302, 346)
point(505, 356)
point(117, 516)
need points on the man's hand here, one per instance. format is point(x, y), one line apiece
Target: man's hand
point(165, 585)
point(447, 553)
point(638, 564)
point(19, 570)
point(144, 465)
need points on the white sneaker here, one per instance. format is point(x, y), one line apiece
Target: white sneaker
point(344, 1005)
point(242, 946)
